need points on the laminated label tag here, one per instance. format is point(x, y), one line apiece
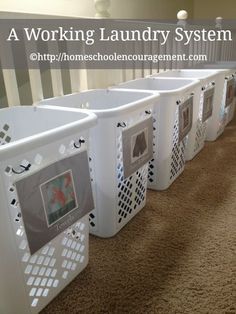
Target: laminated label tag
point(185, 118)
point(229, 92)
point(54, 198)
point(137, 146)
point(208, 98)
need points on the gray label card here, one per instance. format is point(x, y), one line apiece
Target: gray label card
point(185, 118)
point(208, 104)
point(229, 92)
point(54, 198)
point(137, 146)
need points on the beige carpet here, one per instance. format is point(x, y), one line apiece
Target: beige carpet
point(178, 255)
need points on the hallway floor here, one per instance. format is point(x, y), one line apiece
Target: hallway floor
point(177, 256)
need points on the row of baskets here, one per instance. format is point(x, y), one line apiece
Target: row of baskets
point(83, 162)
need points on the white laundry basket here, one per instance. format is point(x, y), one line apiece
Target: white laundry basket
point(169, 151)
point(31, 139)
point(223, 113)
point(117, 198)
point(230, 108)
point(197, 136)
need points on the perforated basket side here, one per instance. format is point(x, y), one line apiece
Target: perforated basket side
point(152, 168)
point(93, 214)
point(177, 161)
point(216, 123)
point(201, 127)
point(223, 112)
point(131, 192)
point(48, 271)
point(230, 112)
point(5, 134)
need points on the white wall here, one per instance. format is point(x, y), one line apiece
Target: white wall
point(150, 9)
point(210, 9)
point(73, 8)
